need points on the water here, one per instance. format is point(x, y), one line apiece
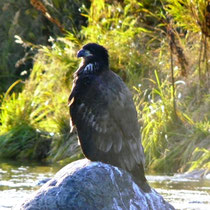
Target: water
point(18, 181)
point(183, 193)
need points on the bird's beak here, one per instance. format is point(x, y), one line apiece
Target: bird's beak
point(83, 53)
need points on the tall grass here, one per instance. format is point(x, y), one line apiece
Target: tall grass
point(193, 17)
point(32, 116)
point(174, 140)
point(157, 115)
point(118, 27)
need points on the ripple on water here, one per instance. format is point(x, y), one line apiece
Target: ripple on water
point(183, 193)
point(18, 181)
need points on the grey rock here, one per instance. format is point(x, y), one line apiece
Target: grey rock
point(93, 186)
point(195, 174)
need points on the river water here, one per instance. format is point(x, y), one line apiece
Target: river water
point(18, 181)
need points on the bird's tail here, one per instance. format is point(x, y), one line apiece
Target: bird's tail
point(142, 184)
point(140, 179)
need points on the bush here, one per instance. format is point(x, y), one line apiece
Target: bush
point(175, 125)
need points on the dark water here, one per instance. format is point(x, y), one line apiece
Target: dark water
point(18, 181)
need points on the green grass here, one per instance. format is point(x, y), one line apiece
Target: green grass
point(39, 106)
point(173, 141)
point(23, 142)
point(34, 123)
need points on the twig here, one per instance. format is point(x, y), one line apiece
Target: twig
point(199, 61)
point(172, 75)
point(40, 6)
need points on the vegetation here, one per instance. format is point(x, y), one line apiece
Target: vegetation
point(26, 19)
point(162, 58)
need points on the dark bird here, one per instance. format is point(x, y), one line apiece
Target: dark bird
point(103, 112)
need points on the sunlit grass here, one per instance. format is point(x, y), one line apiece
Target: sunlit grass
point(27, 116)
point(174, 139)
point(119, 30)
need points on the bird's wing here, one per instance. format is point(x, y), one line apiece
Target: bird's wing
point(123, 113)
point(103, 110)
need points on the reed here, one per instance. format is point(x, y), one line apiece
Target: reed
point(137, 37)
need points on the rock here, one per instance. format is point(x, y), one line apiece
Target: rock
point(92, 185)
point(195, 174)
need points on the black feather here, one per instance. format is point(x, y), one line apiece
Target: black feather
point(102, 109)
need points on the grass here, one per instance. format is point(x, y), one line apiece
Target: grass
point(33, 114)
point(34, 123)
point(23, 142)
point(173, 141)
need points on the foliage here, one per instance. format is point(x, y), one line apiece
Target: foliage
point(172, 141)
point(22, 19)
point(43, 100)
point(117, 27)
point(156, 110)
point(137, 37)
point(192, 16)
point(65, 146)
point(24, 142)
point(203, 160)
point(189, 14)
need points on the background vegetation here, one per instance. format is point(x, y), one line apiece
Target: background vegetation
point(159, 48)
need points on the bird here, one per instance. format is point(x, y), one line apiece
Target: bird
point(103, 113)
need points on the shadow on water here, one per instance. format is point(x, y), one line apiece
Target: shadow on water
point(19, 180)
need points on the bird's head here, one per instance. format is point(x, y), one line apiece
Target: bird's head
point(93, 52)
